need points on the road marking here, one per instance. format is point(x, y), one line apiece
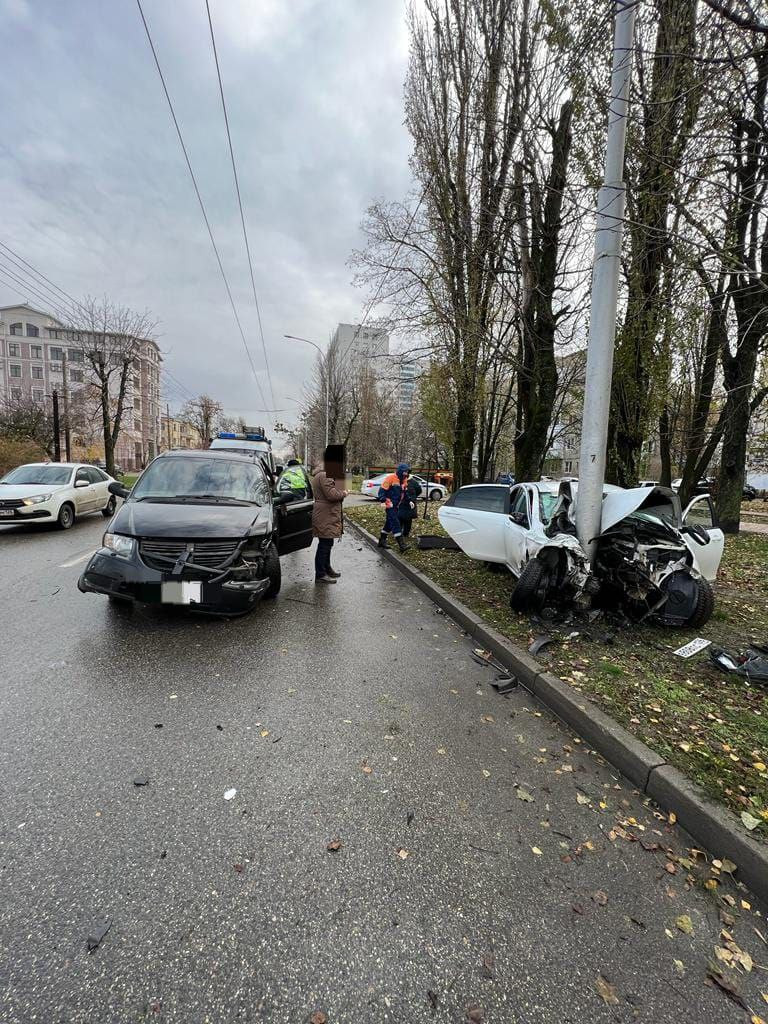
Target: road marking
point(74, 561)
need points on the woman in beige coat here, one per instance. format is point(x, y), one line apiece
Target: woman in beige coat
point(327, 516)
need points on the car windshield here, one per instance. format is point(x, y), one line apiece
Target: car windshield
point(189, 479)
point(38, 475)
point(547, 504)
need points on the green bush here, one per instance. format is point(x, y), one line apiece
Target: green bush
point(15, 453)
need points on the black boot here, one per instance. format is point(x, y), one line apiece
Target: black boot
point(401, 544)
point(382, 539)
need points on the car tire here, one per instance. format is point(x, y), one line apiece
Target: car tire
point(109, 509)
point(530, 593)
point(705, 604)
point(66, 516)
point(435, 495)
point(274, 572)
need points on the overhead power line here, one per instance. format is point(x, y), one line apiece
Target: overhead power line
point(239, 201)
point(200, 200)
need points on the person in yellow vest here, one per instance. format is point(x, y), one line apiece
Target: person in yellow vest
point(294, 478)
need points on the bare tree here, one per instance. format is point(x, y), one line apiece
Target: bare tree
point(111, 338)
point(203, 413)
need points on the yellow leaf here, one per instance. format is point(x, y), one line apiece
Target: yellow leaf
point(536, 850)
point(264, 733)
point(441, 750)
point(582, 798)
point(486, 773)
point(759, 766)
point(684, 924)
point(711, 883)
point(745, 905)
point(606, 991)
point(403, 853)
point(589, 844)
point(367, 769)
point(754, 1019)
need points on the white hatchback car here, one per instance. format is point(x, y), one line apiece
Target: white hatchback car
point(54, 492)
point(436, 492)
point(647, 546)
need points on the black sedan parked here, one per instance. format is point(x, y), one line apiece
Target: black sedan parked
point(199, 528)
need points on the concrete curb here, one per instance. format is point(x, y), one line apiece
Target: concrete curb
point(713, 826)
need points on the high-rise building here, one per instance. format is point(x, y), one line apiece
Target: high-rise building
point(360, 344)
point(36, 350)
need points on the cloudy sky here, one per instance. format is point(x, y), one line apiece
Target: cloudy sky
point(97, 197)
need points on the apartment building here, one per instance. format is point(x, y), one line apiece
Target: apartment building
point(176, 433)
point(362, 346)
point(36, 351)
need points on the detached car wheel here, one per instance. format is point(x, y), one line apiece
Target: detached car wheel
point(274, 572)
point(66, 517)
point(530, 591)
point(109, 509)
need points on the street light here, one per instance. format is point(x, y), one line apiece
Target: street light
point(314, 344)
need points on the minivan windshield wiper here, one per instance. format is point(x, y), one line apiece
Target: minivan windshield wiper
point(206, 499)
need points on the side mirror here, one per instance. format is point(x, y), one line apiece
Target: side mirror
point(519, 518)
point(82, 483)
point(118, 489)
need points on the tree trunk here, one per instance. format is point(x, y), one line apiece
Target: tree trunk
point(463, 441)
point(665, 479)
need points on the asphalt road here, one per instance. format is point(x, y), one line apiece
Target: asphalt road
point(479, 867)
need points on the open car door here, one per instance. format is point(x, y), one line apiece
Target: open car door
point(706, 556)
point(293, 518)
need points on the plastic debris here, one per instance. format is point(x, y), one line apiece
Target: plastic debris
point(692, 647)
point(540, 643)
point(97, 934)
point(141, 780)
point(230, 794)
point(751, 664)
point(430, 542)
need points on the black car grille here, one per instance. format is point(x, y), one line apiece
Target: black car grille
point(11, 503)
point(162, 554)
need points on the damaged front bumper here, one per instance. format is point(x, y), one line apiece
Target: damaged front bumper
point(223, 590)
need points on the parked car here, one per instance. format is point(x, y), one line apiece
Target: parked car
point(435, 491)
point(199, 528)
point(505, 478)
point(370, 488)
point(54, 492)
point(649, 555)
point(708, 485)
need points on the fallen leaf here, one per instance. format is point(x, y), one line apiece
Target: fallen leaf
point(670, 868)
point(441, 750)
point(749, 821)
point(728, 866)
point(726, 986)
point(318, 1017)
point(230, 794)
point(486, 773)
point(238, 868)
point(475, 1014)
point(402, 853)
point(582, 798)
point(759, 766)
point(754, 1019)
point(367, 769)
point(606, 991)
point(711, 883)
point(684, 924)
point(523, 794)
point(600, 897)
point(487, 969)
point(679, 966)
point(432, 998)
point(672, 816)
point(536, 850)
point(334, 845)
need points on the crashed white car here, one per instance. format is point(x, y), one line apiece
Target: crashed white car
point(652, 561)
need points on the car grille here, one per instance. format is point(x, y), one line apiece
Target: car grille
point(161, 554)
point(11, 503)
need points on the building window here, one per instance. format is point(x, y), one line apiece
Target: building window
point(13, 349)
point(32, 331)
point(36, 351)
point(568, 467)
point(16, 394)
point(76, 376)
point(37, 395)
point(55, 367)
point(75, 355)
point(56, 353)
point(15, 370)
point(17, 328)
point(37, 373)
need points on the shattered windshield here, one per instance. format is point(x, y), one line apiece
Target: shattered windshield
point(547, 503)
point(204, 479)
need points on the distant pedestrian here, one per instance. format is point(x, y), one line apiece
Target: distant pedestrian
point(327, 518)
point(391, 493)
point(409, 508)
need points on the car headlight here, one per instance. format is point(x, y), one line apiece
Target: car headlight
point(36, 499)
point(121, 545)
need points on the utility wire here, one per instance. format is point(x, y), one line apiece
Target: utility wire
point(67, 301)
point(200, 200)
point(239, 200)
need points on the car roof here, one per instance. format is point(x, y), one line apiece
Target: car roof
point(222, 454)
point(63, 465)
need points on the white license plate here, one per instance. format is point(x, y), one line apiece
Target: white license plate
point(6, 512)
point(183, 592)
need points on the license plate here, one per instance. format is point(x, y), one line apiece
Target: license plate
point(183, 592)
point(6, 512)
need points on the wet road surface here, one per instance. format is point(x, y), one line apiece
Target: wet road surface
point(489, 864)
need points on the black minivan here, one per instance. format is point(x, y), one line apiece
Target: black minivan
point(199, 528)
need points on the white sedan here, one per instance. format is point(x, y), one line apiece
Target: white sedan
point(54, 492)
point(436, 492)
point(647, 545)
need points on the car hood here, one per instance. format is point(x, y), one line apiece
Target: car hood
point(620, 502)
point(28, 490)
point(190, 521)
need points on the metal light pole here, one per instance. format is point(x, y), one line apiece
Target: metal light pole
point(327, 383)
point(605, 287)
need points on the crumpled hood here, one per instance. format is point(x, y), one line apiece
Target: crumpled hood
point(620, 502)
point(191, 521)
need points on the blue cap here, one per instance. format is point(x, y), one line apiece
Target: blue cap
point(403, 469)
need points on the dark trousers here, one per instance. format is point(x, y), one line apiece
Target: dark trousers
point(323, 555)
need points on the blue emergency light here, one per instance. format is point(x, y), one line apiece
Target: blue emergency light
point(255, 437)
point(223, 435)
